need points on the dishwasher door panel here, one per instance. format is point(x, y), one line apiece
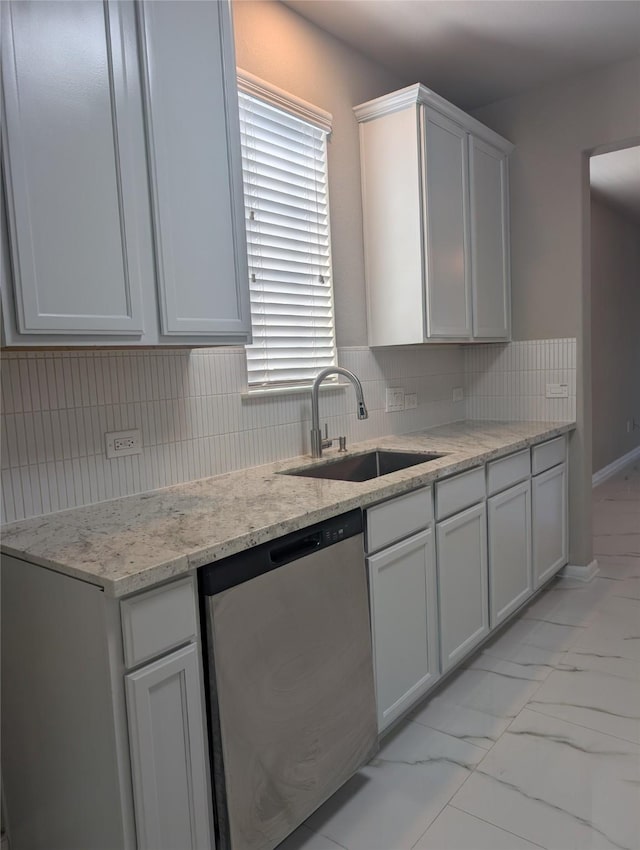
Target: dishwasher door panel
point(292, 679)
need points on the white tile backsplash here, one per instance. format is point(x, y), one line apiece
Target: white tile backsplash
point(509, 381)
point(194, 418)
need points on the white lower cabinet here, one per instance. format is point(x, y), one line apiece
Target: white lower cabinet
point(462, 583)
point(404, 623)
point(509, 535)
point(550, 521)
point(169, 753)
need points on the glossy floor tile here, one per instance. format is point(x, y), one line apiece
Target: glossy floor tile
point(454, 829)
point(558, 785)
point(535, 743)
point(391, 802)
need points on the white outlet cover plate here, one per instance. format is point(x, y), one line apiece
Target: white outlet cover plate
point(132, 441)
point(557, 390)
point(395, 399)
point(458, 394)
point(410, 401)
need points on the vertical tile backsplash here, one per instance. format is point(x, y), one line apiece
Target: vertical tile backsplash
point(509, 381)
point(196, 419)
point(193, 413)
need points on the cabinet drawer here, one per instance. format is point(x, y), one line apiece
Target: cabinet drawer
point(507, 471)
point(398, 518)
point(459, 492)
point(157, 621)
point(548, 454)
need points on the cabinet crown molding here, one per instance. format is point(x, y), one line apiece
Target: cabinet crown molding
point(419, 95)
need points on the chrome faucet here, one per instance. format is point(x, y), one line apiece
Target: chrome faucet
point(317, 441)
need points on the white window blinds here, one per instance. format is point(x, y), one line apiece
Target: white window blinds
point(284, 162)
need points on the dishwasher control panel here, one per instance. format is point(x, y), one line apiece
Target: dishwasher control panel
point(236, 569)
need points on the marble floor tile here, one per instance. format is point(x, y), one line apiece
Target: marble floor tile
point(611, 520)
point(558, 785)
point(618, 568)
point(390, 803)
point(626, 543)
point(454, 829)
point(615, 631)
point(569, 603)
point(541, 634)
point(591, 698)
point(628, 587)
point(598, 662)
point(304, 839)
point(515, 669)
point(467, 724)
point(524, 654)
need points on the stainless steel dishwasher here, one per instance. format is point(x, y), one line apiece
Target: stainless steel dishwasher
point(291, 696)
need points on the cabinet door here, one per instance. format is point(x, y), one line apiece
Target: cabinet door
point(549, 519)
point(169, 753)
point(72, 110)
point(404, 623)
point(462, 583)
point(489, 241)
point(193, 139)
point(510, 577)
point(447, 228)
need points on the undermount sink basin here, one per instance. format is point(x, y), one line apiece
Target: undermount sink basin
point(366, 466)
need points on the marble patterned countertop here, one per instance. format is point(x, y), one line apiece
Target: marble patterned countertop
point(128, 544)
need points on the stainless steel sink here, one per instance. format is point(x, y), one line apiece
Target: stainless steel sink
point(365, 466)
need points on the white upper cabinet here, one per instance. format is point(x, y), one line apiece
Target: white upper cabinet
point(435, 210)
point(489, 195)
point(121, 160)
point(71, 111)
point(447, 225)
point(194, 152)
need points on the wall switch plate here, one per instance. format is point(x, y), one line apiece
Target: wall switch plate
point(121, 443)
point(395, 399)
point(557, 390)
point(457, 394)
point(410, 401)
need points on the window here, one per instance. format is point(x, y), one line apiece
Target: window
point(284, 164)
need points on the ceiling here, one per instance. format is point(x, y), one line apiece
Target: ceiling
point(615, 177)
point(474, 52)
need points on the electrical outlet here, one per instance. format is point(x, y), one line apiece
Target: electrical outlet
point(557, 391)
point(410, 401)
point(457, 394)
point(628, 426)
point(395, 399)
point(121, 443)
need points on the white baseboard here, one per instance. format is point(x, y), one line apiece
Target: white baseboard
point(616, 465)
point(581, 574)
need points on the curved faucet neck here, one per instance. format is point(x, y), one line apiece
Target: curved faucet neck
point(316, 434)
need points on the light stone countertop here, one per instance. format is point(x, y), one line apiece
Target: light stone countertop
point(128, 544)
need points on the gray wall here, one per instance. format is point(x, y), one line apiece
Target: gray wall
point(555, 128)
point(282, 48)
point(615, 332)
point(552, 127)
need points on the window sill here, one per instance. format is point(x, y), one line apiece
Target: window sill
point(302, 389)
